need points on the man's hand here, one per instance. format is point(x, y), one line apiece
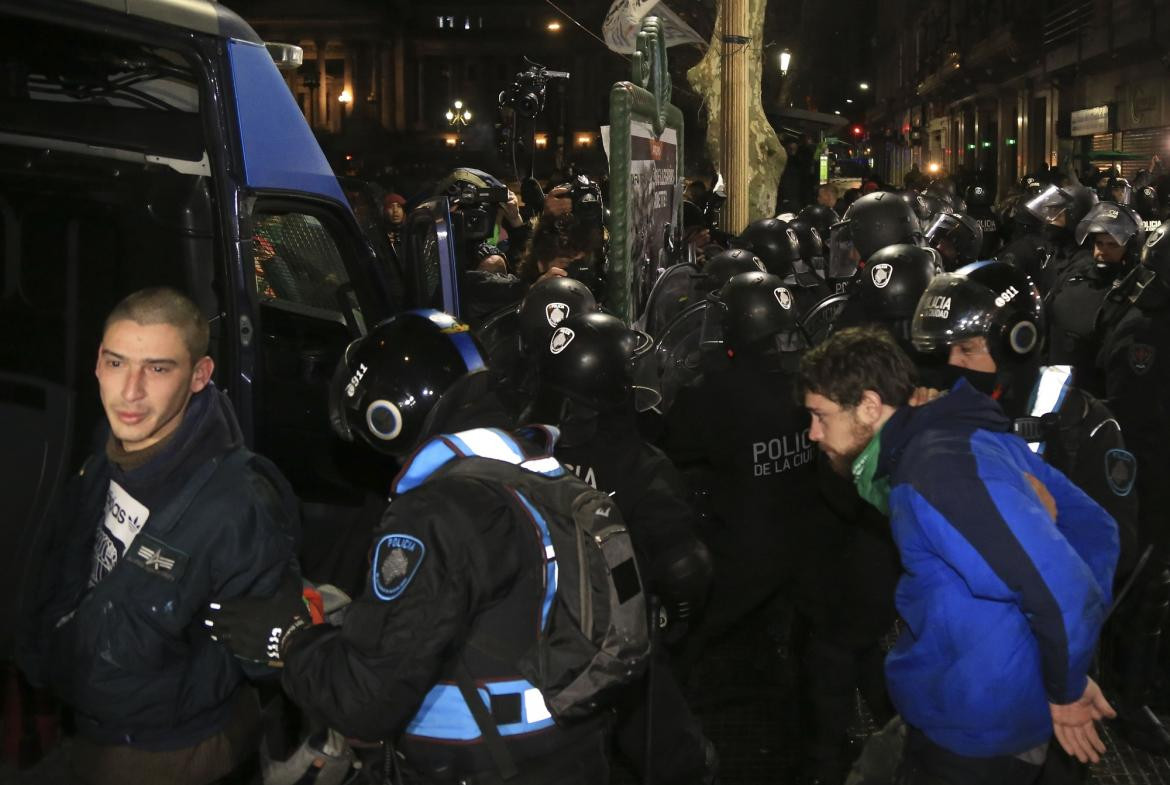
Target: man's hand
point(553, 272)
point(258, 628)
point(923, 395)
point(558, 201)
point(511, 210)
point(1072, 723)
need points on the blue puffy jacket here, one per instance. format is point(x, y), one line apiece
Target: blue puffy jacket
point(1002, 606)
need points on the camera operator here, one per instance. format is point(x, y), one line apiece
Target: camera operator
point(486, 219)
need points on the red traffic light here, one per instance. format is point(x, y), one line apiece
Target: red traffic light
point(857, 130)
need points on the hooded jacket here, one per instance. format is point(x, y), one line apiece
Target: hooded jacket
point(1002, 604)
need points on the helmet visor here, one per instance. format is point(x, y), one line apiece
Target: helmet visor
point(1110, 219)
point(843, 257)
point(952, 309)
point(1049, 204)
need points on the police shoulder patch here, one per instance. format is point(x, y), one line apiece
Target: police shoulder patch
point(396, 560)
point(1120, 471)
point(1141, 358)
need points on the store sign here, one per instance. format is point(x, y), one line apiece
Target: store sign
point(1096, 120)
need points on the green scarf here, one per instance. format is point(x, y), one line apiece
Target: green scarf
point(874, 490)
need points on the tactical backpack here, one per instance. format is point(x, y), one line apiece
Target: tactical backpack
point(595, 637)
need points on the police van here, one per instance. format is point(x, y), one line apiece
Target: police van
point(155, 142)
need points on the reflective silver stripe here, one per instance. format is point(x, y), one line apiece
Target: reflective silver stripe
point(541, 465)
point(486, 443)
point(1054, 384)
point(535, 709)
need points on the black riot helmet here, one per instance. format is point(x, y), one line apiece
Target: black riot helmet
point(812, 245)
point(394, 386)
point(1148, 206)
point(919, 204)
point(591, 360)
point(880, 219)
point(1062, 205)
point(546, 305)
point(759, 315)
point(957, 236)
point(1116, 220)
point(893, 281)
point(726, 265)
point(989, 299)
point(1118, 190)
point(772, 241)
point(820, 217)
point(979, 196)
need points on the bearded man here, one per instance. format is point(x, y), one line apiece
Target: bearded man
point(1007, 567)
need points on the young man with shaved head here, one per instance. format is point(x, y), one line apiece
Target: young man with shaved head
point(172, 511)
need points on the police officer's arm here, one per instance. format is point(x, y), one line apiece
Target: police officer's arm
point(367, 678)
point(1105, 471)
point(1137, 373)
point(664, 526)
point(995, 532)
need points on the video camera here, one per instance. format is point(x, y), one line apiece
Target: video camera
point(527, 93)
point(477, 206)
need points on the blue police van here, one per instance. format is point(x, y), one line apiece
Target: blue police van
point(152, 142)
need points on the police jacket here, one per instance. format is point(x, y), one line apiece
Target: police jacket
point(1072, 308)
point(458, 579)
point(739, 433)
point(1135, 361)
point(652, 497)
point(129, 653)
point(1002, 605)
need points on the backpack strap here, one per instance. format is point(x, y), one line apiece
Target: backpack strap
point(505, 765)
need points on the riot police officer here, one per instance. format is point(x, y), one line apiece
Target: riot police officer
point(888, 290)
point(871, 223)
point(1059, 210)
point(813, 266)
point(1135, 324)
point(979, 207)
point(992, 328)
point(778, 246)
point(587, 389)
point(513, 336)
point(739, 436)
point(1116, 234)
point(819, 217)
point(957, 237)
point(428, 655)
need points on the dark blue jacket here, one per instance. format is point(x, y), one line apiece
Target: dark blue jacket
point(1002, 605)
point(130, 654)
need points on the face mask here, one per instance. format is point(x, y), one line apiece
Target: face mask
point(943, 377)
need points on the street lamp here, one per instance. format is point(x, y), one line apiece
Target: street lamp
point(785, 61)
point(458, 115)
point(863, 86)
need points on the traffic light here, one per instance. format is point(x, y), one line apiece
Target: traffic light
point(857, 131)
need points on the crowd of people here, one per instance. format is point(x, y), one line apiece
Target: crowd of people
point(915, 412)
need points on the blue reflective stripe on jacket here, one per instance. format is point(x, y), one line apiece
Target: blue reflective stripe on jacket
point(444, 714)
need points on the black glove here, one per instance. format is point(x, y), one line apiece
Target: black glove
point(259, 628)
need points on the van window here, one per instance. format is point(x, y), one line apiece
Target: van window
point(298, 263)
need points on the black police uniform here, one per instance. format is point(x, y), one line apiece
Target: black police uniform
point(457, 581)
point(652, 497)
point(1134, 360)
point(740, 437)
point(1072, 306)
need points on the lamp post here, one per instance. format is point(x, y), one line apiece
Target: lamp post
point(458, 116)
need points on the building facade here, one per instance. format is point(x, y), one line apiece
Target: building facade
point(1001, 88)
